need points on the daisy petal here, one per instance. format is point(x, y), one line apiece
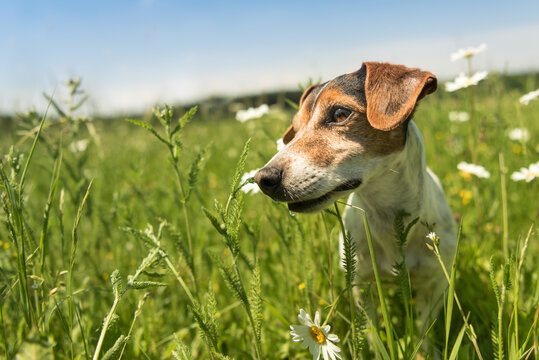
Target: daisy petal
point(333, 338)
point(299, 333)
point(325, 352)
point(304, 318)
point(333, 351)
point(315, 351)
point(317, 319)
point(326, 329)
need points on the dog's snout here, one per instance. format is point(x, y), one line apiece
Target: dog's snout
point(269, 179)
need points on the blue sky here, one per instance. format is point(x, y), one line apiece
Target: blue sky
point(134, 54)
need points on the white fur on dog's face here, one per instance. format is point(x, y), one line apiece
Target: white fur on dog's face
point(327, 156)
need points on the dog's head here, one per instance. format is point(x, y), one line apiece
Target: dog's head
point(341, 128)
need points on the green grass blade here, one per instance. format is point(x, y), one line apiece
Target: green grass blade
point(420, 342)
point(379, 349)
point(456, 346)
point(32, 150)
point(385, 310)
point(451, 295)
point(52, 193)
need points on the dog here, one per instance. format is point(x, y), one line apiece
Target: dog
point(354, 135)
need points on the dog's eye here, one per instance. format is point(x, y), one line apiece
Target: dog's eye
point(341, 115)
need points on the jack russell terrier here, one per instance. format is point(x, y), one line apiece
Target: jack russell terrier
point(355, 135)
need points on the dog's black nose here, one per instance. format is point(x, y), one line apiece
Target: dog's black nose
point(269, 179)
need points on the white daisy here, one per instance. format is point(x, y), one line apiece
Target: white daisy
point(252, 113)
point(473, 169)
point(280, 144)
point(525, 99)
point(527, 174)
point(250, 187)
point(459, 116)
point(463, 81)
point(468, 52)
point(317, 339)
point(519, 134)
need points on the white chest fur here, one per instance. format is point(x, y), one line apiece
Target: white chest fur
point(401, 181)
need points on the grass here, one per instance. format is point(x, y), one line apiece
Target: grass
point(216, 273)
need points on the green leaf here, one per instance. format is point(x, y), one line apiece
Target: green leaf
point(507, 279)
point(359, 340)
point(456, 346)
point(113, 323)
point(233, 282)
point(205, 327)
point(219, 226)
point(420, 341)
point(150, 129)
point(55, 106)
point(114, 352)
point(379, 348)
point(409, 227)
point(496, 345)
point(164, 114)
point(402, 279)
point(239, 169)
point(185, 119)
point(349, 259)
point(154, 256)
point(181, 247)
point(194, 172)
point(181, 352)
point(493, 282)
point(233, 225)
point(139, 285)
point(79, 104)
point(255, 299)
point(398, 225)
point(141, 235)
point(401, 233)
point(116, 281)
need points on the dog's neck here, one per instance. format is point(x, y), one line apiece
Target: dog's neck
point(397, 181)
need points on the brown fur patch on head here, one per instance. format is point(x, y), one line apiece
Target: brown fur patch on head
point(380, 96)
point(328, 144)
point(303, 114)
point(392, 92)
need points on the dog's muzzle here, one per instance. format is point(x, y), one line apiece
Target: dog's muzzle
point(270, 181)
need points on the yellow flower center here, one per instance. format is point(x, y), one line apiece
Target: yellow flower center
point(465, 175)
point(466, 196)
point(317, 334)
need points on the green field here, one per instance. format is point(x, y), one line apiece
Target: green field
point(108, 250)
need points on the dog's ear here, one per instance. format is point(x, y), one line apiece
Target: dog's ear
point(290, 133)
point(306, 93)
point(392, 93)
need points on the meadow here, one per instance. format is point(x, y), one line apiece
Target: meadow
point(132, 238)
